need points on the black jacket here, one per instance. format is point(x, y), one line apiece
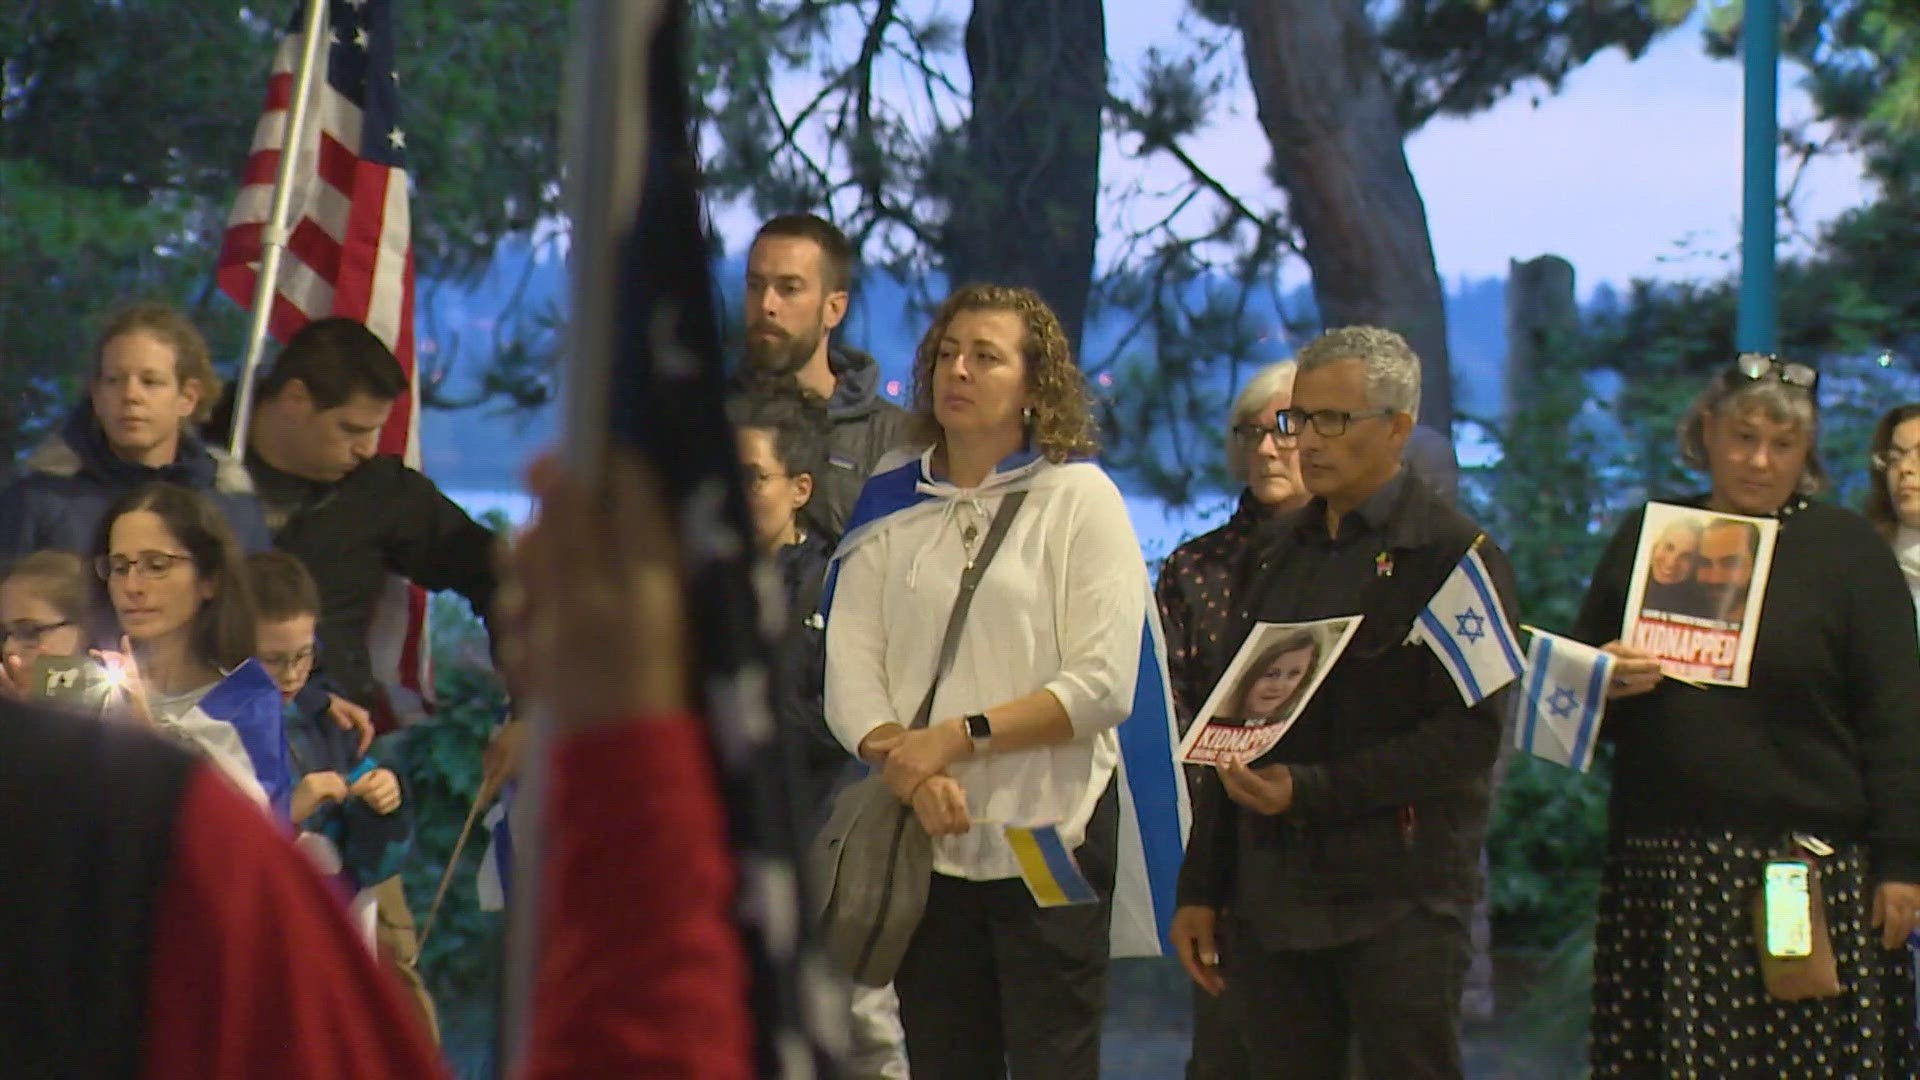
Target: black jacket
point(1197, 613)
point(87, 814)
point(1825, 737)
point(1392, 772)
point(800, 675)
point(863, 427)
point(382, 519)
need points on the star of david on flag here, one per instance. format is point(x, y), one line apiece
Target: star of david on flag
point(1562, 700)
point(1467, 630)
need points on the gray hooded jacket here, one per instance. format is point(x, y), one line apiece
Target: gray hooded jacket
point(863, 426)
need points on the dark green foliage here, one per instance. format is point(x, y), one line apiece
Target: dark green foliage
point(441, 758)
point(123, 128)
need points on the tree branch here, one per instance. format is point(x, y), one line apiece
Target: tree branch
point(1133, 116)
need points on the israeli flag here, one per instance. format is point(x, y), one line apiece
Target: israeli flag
point(496, 866)
point(1467, 629)
point(1564, 699)
point(248, 700)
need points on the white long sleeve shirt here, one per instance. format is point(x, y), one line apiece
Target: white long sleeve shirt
point(1061, 608)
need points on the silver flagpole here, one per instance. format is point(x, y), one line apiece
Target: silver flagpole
point(605, 129)
point(273, 236)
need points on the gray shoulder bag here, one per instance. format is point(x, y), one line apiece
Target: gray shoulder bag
point(872, 862)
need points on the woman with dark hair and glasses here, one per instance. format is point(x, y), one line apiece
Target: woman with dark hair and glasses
point(1817, 759)
point(1893, 502)
point(174, 581)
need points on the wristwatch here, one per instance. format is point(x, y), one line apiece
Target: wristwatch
point(980, 731)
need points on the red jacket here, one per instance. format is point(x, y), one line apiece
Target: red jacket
point(255, 970)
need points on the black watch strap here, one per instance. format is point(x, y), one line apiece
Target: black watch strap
point(980, 730)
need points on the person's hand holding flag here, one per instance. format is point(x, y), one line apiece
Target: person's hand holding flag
point(1634, 672)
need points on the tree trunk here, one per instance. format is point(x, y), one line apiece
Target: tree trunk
point(1339, 153)
point(1025, 213)
point(1541, 315)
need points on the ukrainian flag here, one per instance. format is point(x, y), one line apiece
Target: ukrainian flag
point(1048, 867)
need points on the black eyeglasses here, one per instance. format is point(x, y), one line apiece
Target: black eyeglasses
point(1252, 435)
point(153, 565)
point(1330, 423)
point(29, 634)
point(1752, 367)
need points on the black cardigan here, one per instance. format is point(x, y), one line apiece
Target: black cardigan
point(1826, 736)
point(87, 814)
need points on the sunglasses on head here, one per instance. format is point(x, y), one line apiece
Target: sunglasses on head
point(1753, 367)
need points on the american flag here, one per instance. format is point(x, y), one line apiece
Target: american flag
point(665, 395)
point(349, 252)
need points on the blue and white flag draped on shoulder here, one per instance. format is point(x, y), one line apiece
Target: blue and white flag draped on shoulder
point(246, 709)
point(1154, 809)
point(1466, 627)
point(1563, 700)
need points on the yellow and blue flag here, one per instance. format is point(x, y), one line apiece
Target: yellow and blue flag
point(1048, 868)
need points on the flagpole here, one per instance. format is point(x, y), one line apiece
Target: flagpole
point(604, 129)
point(273, 235)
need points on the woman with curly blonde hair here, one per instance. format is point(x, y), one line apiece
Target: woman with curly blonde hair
point(1021, 729)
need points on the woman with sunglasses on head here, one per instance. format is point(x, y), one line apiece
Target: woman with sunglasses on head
point(1816, 760)
point(1893, 502)
point(174, 581)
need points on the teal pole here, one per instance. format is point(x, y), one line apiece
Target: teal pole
point(1758, 329)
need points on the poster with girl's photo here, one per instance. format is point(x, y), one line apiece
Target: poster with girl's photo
point(1270, 681)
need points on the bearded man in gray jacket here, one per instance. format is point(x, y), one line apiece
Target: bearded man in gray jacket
point(799, 280)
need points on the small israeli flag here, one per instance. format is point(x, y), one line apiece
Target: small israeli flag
point(496, 866)
point(1467, 629)
point(1563, 700)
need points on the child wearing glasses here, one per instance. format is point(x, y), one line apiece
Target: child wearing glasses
point(339, 793)
point(43, 607)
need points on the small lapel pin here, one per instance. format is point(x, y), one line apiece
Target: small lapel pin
point(1383, 565)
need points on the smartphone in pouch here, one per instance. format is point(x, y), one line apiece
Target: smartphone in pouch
point(1789, 909)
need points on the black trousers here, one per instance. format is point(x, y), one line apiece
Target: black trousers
point(1217, 1053)
point(992, 984)
point(1393, 997)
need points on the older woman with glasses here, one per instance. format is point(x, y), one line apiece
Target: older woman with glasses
point(1194, 595)
point(1816, 760)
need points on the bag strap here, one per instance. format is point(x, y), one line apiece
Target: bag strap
point(969, 581)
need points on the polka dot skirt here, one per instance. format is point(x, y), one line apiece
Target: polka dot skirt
point(1677, 989)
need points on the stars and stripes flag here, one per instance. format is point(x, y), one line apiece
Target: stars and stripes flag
point(349, 253)
point(646, 371)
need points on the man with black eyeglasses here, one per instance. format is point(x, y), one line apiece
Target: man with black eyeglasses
point(1328, 886)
